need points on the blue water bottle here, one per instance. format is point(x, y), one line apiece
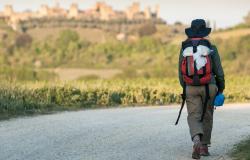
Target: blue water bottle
point(219, 100)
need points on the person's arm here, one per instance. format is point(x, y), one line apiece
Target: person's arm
point(179, 69)
point(218, 70)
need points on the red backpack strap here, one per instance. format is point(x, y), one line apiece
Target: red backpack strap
point(187, 70)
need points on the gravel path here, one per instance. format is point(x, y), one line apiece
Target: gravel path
point(144, 133)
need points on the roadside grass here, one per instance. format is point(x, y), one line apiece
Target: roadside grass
point(45, 97)
point(29, 98)
point(242, 150)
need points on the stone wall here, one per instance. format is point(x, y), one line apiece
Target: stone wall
point(116, 26)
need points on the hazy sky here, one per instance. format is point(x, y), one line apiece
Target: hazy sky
point(224, 12)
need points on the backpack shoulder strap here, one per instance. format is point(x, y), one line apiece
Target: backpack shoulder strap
point(186, 43)
point(205, 42)
point(194, 42)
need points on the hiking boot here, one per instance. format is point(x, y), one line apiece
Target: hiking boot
point(196, 151)
point(204, 150)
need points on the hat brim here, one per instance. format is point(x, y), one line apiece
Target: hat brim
point(202, 33)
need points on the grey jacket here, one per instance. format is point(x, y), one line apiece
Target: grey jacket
point(218, 73)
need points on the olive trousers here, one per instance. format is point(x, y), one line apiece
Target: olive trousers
point(195, 99)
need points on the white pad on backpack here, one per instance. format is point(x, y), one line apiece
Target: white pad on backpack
point(199, 56)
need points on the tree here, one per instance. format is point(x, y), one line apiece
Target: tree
point(147, 29)
point(23, 40)
point(66, 37)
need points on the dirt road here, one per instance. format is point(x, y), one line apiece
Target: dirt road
point(144, 133)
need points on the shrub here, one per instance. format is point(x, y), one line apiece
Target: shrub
point(147, 29)
point(67, 37)
point(23, 40)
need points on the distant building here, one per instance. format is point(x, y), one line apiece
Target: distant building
point(100, 11)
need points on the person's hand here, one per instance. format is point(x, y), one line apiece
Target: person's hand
point(219, 100)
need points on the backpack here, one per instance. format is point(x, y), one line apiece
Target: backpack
point(190, 74)
point(193, 76)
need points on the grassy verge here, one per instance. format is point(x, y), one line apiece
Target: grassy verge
point(25, 98)
point(241, 151)
point(43, 97)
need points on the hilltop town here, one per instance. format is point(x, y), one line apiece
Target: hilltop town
point(100, 12)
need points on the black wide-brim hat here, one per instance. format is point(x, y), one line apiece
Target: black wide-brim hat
point(198, 29)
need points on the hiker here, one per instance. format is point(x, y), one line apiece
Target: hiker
point(202, 78)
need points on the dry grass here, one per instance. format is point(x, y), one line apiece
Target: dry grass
point(222, 35)
point(76, 73)
point(231, 33)
point(91, 35)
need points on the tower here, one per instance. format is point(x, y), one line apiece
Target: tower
point(147, 13)
point(57, 4)
point(44, 11)
point(73, 11)
point(133, 10)
point(214, 26)
point(208, 23)
point(8, 10)
point(136, 7)
point(247, 18)
point(157, 10)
